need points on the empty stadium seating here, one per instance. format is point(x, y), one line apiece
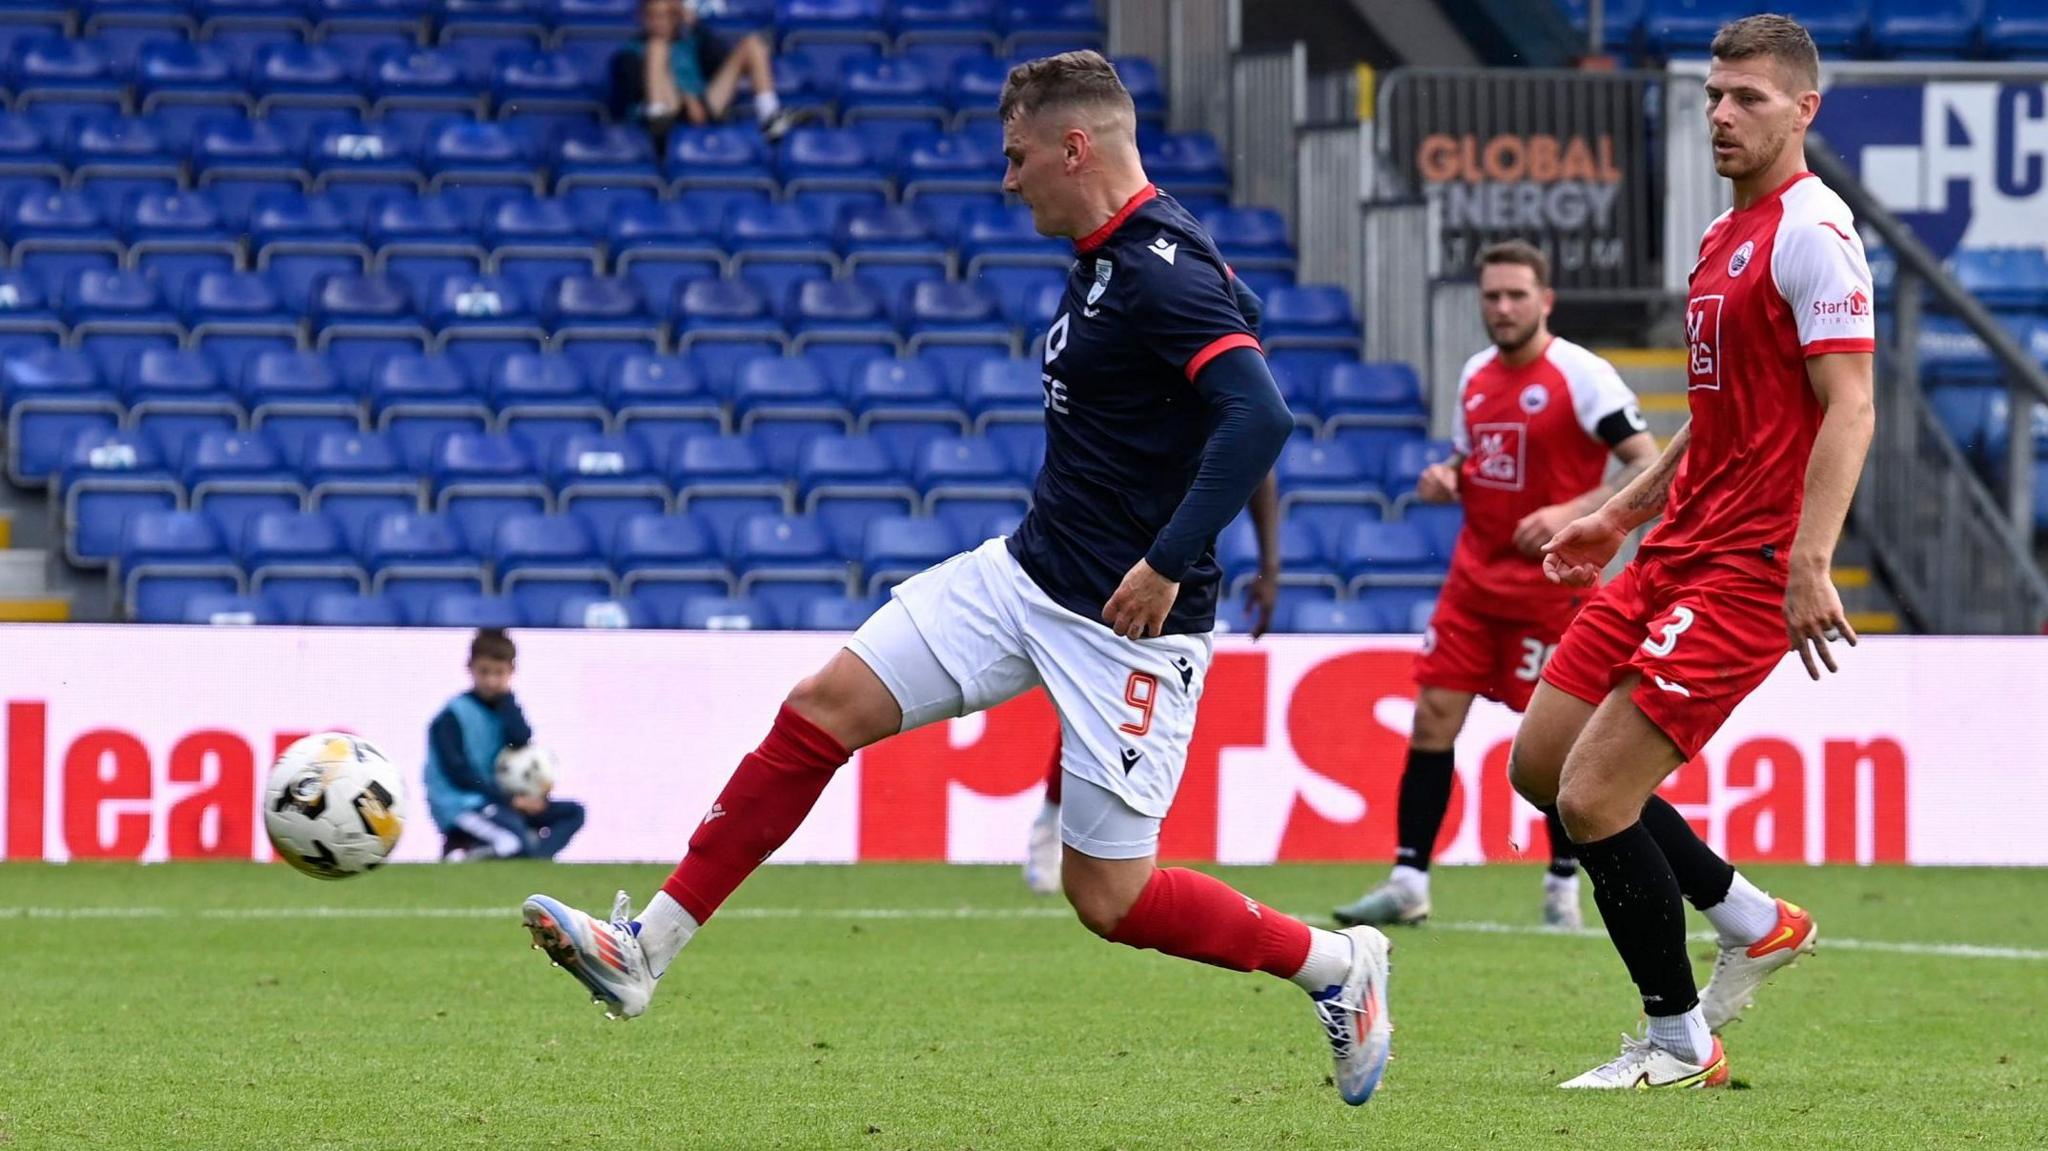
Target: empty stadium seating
point(315, 318)
point(1884, 29)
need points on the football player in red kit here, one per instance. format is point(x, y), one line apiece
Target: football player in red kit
point(1538, 417)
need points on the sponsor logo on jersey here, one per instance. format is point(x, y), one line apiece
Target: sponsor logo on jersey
point(1534, 398)
point(1474, 400)
point(1740, 260)
point(1703, 342)
point(1851, 305)
point(1498, 455)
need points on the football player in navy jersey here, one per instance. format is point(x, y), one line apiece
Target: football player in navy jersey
point(1161, 418)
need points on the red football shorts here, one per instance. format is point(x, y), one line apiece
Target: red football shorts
point(1702, 639)
point(1467, 648)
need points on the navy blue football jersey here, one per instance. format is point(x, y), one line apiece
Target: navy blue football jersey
point(1149, 302)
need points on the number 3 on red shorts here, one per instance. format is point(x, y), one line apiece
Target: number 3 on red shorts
point(1670, 628)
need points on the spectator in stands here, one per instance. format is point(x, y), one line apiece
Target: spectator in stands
point(679, 69)
point(478, 820)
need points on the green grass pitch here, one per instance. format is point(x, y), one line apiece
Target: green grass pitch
point(222, 1007)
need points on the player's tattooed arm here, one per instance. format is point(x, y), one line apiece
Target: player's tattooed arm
point(1642, 498)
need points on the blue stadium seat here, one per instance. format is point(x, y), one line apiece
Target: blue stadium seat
point(837, 613)
point(342, 610)
point(1439, 524)
point(1311, 313)
point(1323, 481)
point(1964, 411)
point(412, 558)
point(893, 85)
point(1913, 30)
point(894, 548)
point(294, 558)
point(603, 154)
point(834, 158)
point(166, 557)
point(535, 241)
point(224, 609)
point(185, 71)
point(785, 560)
point(931, 162)
point(63, 78)
point(230, 302)
point(1379, 553)
point(585, 611)
point(115, 158)
point(771, 390)
point(605, 479)
point(662, 561)
point(1332, 617)
point(1387, 394)
point(462, 609)
point(843, 323)
point(724, 613)
point(414, 74)
point(1621, 23)
point(662, 245)
point(175, 397)
point(542, 399)
point(1007, 235)
point(234, 476)
point(950, 312)
point(474, 162)
point(1302, 556)
point(660, 399)
point(541, 561)
point(1148, 91)
point(479, 479)
point(724, 478)
point(1405, 461)
point(1186, 164)
point(420, 398)
point(51, 397)
point(966, 479)
point(357, 477)
point(1251, 237)
point(718, 157)
point(1406, 609)
point(107, 476)
point(847, 481)
point(1004, 389)
point(2005, 278)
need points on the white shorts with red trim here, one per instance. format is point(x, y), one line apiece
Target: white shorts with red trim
point(1127, 707)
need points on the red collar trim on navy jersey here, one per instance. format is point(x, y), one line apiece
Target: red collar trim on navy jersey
point(1778, 192)
point(1100, 236)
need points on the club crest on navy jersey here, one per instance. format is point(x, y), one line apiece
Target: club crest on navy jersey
point(1103, 270)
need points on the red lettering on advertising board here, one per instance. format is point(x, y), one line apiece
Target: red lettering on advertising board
point(1191, 828)
point(25, 735)
point(1845, 765)
point(106, 766)
point(904, 779)
point(1770, 825)
point(226, 802)
point(1330, 721)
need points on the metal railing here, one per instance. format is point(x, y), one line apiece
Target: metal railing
point(1329, 229)
point(1957, 563)
point(1268, 95)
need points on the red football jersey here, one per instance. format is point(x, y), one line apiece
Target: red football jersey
point(1776, 283)
point(1531, 436)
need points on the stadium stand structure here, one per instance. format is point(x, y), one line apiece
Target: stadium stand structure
point(349, 312)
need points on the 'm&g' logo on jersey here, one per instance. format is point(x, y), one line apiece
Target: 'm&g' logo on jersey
point(1499, 455)
point(1703, 342)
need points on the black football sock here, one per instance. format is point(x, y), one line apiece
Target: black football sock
point(1425, 796)
point(1564, 858)
point(1703, 876)
point(1639, 900)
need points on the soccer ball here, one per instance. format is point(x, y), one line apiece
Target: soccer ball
point(333, 806)
point(528, 770)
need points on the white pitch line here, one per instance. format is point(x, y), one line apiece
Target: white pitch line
point(1827, 942)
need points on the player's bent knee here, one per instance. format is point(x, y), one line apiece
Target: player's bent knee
point(848, 701)
point(1102, 892)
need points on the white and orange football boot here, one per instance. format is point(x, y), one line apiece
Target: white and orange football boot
point(1642, 1066)
point(604, 957)
point(1739, 970)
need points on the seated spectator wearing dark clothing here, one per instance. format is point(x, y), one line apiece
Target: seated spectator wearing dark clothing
point(678, 69)
point(476, 818)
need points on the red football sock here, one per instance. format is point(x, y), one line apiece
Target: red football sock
point(762, 805)
point(1199, 917)
point(1053, 775)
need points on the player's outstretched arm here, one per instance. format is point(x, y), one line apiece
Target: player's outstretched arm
point(1251, 426)
point(1813, 609)
point(1576, 555)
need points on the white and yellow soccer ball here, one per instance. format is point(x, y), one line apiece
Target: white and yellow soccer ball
point(334, 805)
point(528, 770)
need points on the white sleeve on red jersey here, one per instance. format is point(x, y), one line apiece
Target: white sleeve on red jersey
point(1818, 265)
point(1461, 440)
point(1597, 390)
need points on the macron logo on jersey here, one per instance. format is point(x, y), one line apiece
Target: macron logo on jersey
point(1162, 249)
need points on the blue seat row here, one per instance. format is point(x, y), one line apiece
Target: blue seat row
point(1894, 29)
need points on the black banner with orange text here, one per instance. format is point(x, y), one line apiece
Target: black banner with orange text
point(1561, 159)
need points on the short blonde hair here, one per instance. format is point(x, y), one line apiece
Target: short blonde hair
point(1084, 79)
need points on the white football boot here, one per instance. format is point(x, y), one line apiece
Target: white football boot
point(603, 956)
point(1561, 903)
point(1643, 1065)
point(1740, 970)
point(1355, 1018)
point(1392, 902)
point(1042, 852)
